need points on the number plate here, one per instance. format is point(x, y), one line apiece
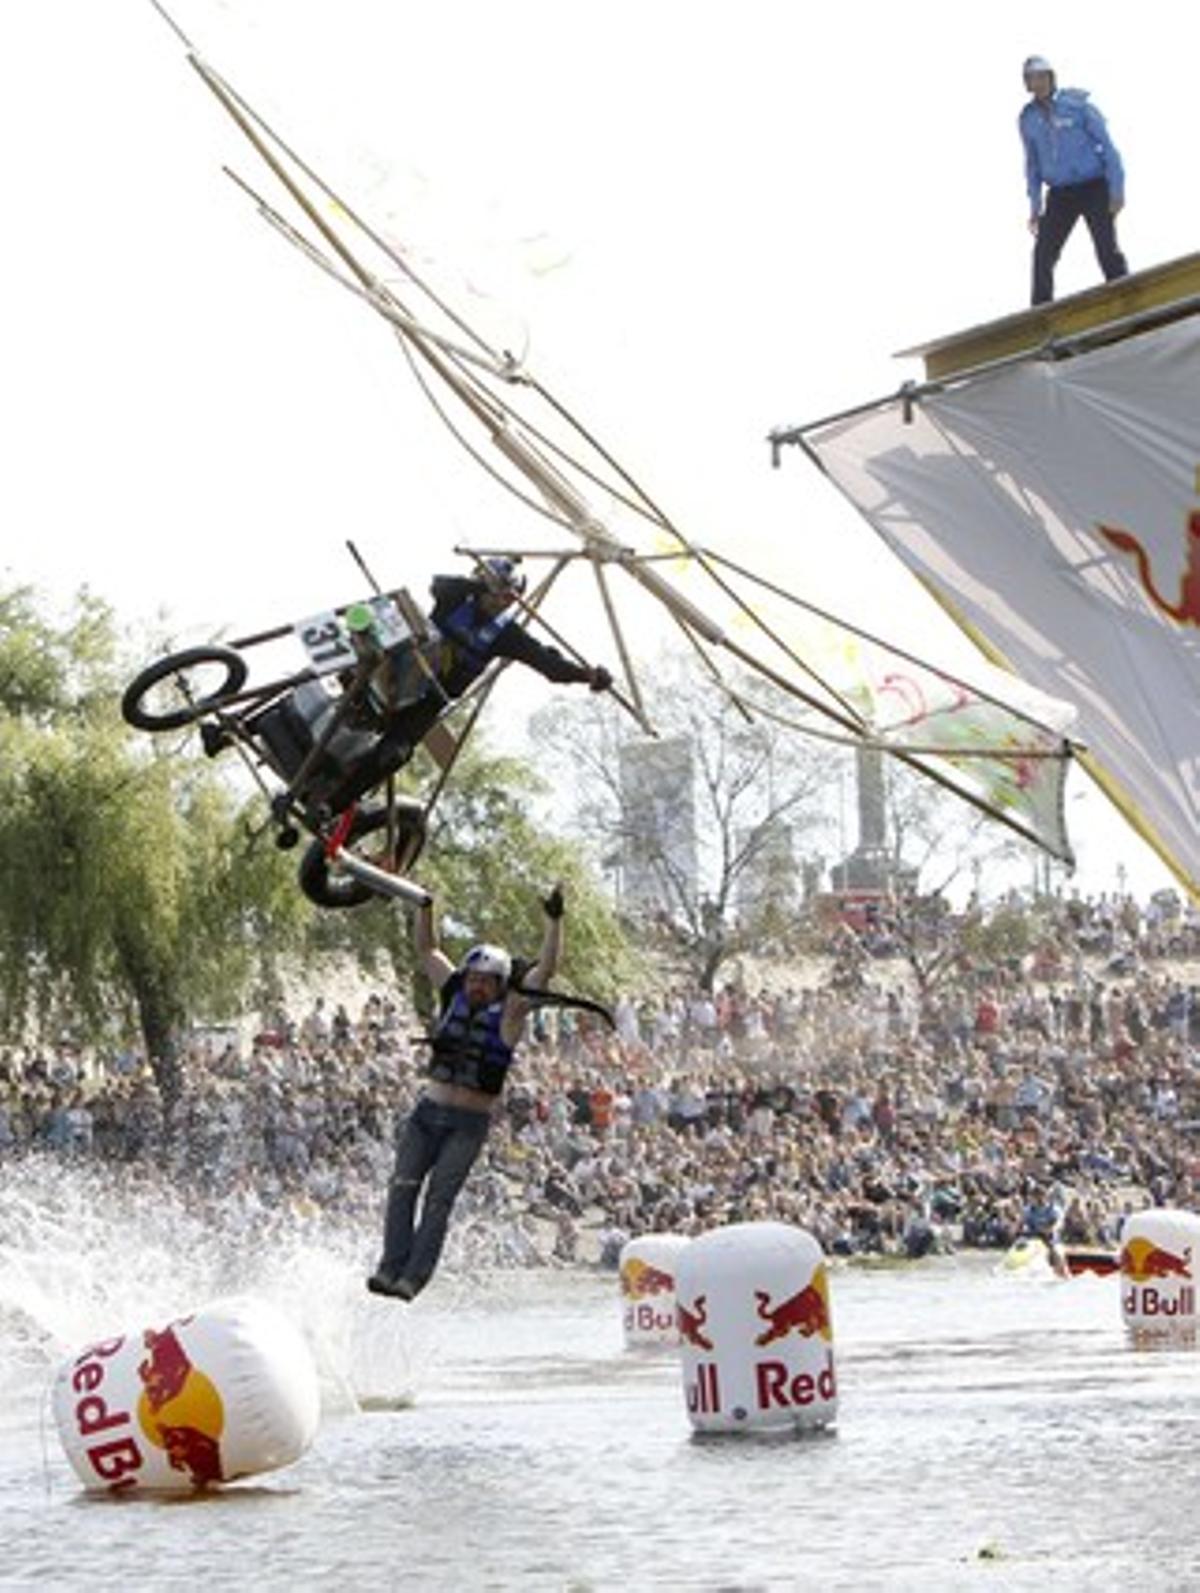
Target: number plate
point(327, 642)
point(323, 637)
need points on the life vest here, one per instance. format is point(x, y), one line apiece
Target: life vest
point(470, 639)
point(466, 1045)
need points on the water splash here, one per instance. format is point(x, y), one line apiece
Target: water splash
point(90, 1251)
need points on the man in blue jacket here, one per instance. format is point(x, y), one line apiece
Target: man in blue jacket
point(1069, 154)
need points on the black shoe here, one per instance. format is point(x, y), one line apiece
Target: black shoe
point(381, 1282)
point(214, 739)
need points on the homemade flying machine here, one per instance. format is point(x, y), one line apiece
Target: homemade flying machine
point(1000, 746)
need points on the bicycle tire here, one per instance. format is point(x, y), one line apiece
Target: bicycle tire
point(327, 888)
point(133, 704)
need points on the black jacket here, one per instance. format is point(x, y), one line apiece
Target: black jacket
point(475, 640)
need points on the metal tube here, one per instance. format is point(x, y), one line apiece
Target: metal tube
point(403, 890)
point(1052, 348)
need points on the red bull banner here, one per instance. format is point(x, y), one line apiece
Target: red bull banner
point(1159, 1253)
point(222, 1393)
point(647, 1278)
point(756, 1330)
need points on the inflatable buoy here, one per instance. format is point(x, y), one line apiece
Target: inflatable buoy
point(1160, 1249)
point(756, 1330)
point(226, 1392)
point(647, 1273)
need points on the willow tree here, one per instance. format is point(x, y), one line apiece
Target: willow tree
point(131, 896)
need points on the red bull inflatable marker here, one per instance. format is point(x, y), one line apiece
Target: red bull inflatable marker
point(755, 1330)
point(1160, 1262)
point(647, 1277)
point(225, 1392)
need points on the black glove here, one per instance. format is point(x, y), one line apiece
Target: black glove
point(599, 678)
point(553, 906)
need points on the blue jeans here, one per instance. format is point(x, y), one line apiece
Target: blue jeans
point(437, 1148)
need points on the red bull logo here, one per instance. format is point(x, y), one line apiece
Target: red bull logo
point(1143, 1261)
point(691, 1322)
point(1185, 609)
point(805, 1312)
point(640, 1280)
point(180, 1410)
point(1148, 1266)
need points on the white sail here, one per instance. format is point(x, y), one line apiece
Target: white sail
point(1053, 505)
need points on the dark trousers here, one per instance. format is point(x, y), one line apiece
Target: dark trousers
point(437, 1148)
point(1064, 206)
point(393, 749)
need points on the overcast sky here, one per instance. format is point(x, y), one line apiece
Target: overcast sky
point(698, 222)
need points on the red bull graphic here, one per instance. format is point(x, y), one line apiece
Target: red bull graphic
point(648, 1290)
point(1186, 608)
point(640, 1280)
point(1143, 1261)
point(210, 1397)
point(180, 1410)
point(806, 1312)
point(691, 1323)
point(1157, 1290)
point(756, 1330)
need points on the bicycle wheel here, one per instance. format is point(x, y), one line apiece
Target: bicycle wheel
point(326, 885)
point(183, 687)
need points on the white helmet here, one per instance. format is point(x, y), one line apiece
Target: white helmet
point(1035, 63)
point(487, 960)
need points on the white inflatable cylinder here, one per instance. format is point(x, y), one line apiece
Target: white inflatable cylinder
point(1160, 1249)
point(755, 1330)
point(227, 1392)
point(647, 1273)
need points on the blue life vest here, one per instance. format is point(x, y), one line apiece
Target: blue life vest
point(472, 638)
point(467, 1048)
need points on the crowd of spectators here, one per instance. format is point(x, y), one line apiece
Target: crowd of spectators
point(1057, 1091)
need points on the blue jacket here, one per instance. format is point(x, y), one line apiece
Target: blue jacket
point(1066, 141)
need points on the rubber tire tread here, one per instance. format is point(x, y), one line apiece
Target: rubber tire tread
point(135, 714)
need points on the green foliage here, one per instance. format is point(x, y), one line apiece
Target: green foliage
point(126, 900)
point(138, 895)
point(489, 865)
point(55, 671)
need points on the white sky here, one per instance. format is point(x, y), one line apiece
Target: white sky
point(706, 221)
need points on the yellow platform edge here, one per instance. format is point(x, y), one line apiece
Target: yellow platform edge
point(1167, 288)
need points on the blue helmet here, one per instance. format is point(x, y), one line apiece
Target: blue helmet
point(500, 574)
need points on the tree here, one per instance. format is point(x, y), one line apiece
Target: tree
point(135, 895)
point(753, 785)
point(489, 864)
point(128, 896)
point(932, 832)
